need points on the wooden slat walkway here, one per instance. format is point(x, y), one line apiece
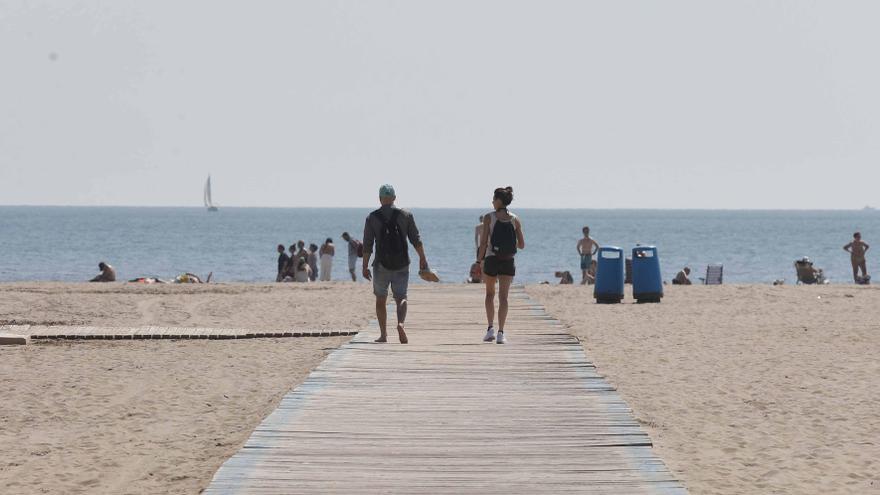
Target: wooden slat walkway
point(450, 414)
point(37, 332)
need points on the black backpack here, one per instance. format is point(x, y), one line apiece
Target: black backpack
point(391, 243)
point(504, 239)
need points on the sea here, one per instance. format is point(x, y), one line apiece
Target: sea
point(48, 243)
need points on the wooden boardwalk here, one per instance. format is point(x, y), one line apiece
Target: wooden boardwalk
point(65, 332)
point(450, 414)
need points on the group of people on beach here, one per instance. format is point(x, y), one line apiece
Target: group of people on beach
point(302, 265)
point(315, 263)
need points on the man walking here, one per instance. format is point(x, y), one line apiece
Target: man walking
point(390, 227)
point(352, 254)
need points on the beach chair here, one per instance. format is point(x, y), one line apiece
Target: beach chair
point(714, 274)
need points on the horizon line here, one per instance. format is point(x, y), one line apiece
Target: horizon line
point(865, 209)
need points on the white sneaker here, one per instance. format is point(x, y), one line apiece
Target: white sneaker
point(501, 339)
point(490, 335)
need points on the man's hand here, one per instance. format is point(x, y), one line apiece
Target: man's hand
point(366, 273)
point(423, 263)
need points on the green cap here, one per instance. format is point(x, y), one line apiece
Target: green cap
point(386, 191)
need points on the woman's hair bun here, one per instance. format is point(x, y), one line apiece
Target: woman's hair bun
point(505, 194)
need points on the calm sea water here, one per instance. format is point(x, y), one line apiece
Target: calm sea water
point(238, 244)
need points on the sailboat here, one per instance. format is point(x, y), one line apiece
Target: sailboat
point(208, 203)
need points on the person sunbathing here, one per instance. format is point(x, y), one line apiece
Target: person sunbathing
point(476, 275)
point(807, 273)
point(108, 273)
point(682, 278)
point(565, 277)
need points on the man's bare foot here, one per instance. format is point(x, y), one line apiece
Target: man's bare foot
point(381, 340)
point(402, 334)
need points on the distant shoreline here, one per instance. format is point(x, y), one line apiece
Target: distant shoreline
point(457, 208)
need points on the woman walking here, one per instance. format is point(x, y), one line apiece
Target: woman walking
point(501, 237)
point(327, 252)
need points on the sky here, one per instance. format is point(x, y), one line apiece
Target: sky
point(575, 104)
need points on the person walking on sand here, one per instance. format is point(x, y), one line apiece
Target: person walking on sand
point(857, 250)
point(389, 227)
point(354, 248)
point(327, 252)
point(108, 273)
point(502, 236)
point(283, 260)
point(587, 247)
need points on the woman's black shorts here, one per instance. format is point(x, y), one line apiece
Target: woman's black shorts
point(493, 267)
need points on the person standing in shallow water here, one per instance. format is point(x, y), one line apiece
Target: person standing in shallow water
point(283, 261)
point(587, 247)
point(857, 250)
point(312, 259)
point(501, 238)
point(389, 228)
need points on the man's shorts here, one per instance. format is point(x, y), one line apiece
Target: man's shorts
point(586, 261)
point(397, 279)
point(493, 267)
point(352, 261)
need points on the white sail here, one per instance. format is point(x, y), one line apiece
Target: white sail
point(209, 203)
point(208, 192)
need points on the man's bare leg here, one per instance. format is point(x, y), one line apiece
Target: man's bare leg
point(583, 277)
point(401, 320)
point(382, 316)
point(353, 276)
point(855, 266)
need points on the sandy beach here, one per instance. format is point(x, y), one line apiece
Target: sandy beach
point(152, 416)
point(745, 389)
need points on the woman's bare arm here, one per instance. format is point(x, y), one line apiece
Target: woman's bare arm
point(520, 238)
point(484, 238)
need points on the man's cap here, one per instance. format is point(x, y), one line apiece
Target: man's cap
point(386, 191)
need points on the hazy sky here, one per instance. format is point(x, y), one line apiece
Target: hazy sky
point(584, 104)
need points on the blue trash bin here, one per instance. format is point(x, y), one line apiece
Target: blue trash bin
point(647, 282)
point(609, 275)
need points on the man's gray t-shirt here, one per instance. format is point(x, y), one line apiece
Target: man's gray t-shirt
point(373, 228)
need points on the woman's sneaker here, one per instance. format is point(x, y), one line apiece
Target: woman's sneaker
point(490, 334)
point(501, 339)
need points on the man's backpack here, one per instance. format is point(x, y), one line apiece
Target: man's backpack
point(359, 248)
point(391, 243)
point(504, 239)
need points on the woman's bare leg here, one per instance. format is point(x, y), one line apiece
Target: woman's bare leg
point(490, 299)
point(504, 282)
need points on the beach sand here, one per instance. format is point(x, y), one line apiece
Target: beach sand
point(154, 417)
point(745, 389)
